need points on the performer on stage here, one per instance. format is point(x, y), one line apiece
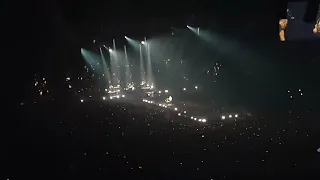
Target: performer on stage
point(283, 23)
point(317, 27)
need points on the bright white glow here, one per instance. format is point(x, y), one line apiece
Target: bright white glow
point(104, 98)
point(188, 26)
point(195, 119)
point(81, 100)
point(105, 89)
point(159, 92)
point(230, 116)
point(223, 117)
point(142, 42)
point(166, 91)
point(160, 104)
point(111, 97)
point(118, 96)
point(123, 96)
point(185, 112)
point(191, 117)
point(204, 120)
point(151, 87)
point(236, 115)
point(126, 37)
point(110, 50)
point(176, 109)
point(196, 87)
point(179, 114)
point(184, 89)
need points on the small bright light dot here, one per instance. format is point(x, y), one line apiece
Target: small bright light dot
point(110, 50)
point(176, 109)
point(104, 98)
point(185, 112)
point(111, 97)
point(118, 96)
point(142, 42)
point(184, 89)
point(179, 114)
point(204, 120)
point(191, 117)
point(196, 87)
point(236, 115)
point(81, 100)
point(230, 116)
point(159, 92)
point(123, 96)
point(105, 89)
point(223, 117)
point(166, 91)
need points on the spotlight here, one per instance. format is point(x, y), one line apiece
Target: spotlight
point(110, 50)
point(184, 89)
point(142, 42)
point(188, 26)
point(126, 37)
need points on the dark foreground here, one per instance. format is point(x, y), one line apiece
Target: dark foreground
point(95, 140)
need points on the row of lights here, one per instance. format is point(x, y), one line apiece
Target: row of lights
point(229, 116)
point(176, 109)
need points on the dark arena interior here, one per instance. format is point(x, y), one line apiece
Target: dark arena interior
point(160, 90)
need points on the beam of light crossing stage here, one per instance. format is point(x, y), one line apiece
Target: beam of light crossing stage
point(112, 66)
point(142, 70)
point(106, 69)
point(135, 44)
point(127, 67)
point(92, 60)
point(195, 30)
point(116, 63)
point(150, 79)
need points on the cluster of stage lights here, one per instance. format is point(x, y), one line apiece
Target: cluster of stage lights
point(114, 97)
point(184, 113)
point(230, 116)
point(196, 30)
